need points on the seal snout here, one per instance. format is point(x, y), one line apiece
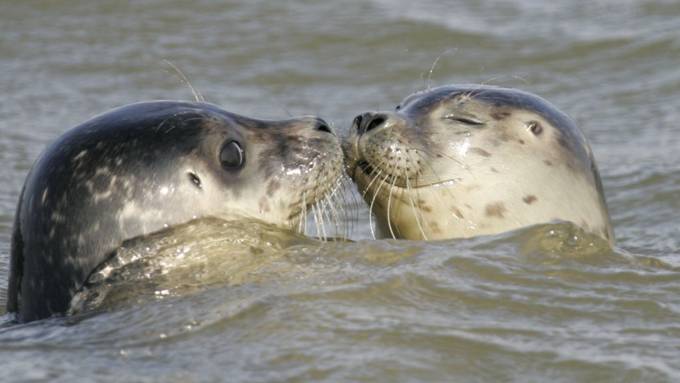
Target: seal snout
point(323, 126)
point(366, 122)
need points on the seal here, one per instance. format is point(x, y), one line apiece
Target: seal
point(465, 160)
point(148, 166)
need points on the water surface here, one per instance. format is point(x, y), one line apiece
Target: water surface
point(544, 303)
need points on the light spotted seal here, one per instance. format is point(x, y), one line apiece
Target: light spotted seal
point(147, 166)
point(462, 161)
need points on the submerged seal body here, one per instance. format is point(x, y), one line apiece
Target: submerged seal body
point(461, 161)
point(148, 166)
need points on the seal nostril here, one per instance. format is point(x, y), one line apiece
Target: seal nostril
point(357, 122)
point(324, 128)
point(374, 123)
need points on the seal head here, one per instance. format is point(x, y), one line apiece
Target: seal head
point(144, 167)
point(462, 161)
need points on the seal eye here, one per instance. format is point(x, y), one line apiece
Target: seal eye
point(232, 155)
point(535, 128)
point(398, 107)
point(464, 120)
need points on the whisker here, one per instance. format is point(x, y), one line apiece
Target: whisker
point(323, 213)
point(328, 200)
point(350, 204)
point(443, 155)
point(389, 212)
point(198, 97)
point(416, 211)
point(304, 211)
point(434, 65)
point(317, 221)
point(347, 205)
point(370, 210)
point(419, 211)
point(368, 187)
point(440, 200)
point(354, 201)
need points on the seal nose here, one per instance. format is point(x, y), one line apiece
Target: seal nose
point(322, 126)
point(369, 121)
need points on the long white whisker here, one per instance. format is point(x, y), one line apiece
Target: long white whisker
point(348, 187)
point(198, 97)
point(375, 177)
point(320, 211)
point(434, 65)
point(370, 210)
point(389, 204)
point(332, 212)
point(304, 212)
point(415, 211)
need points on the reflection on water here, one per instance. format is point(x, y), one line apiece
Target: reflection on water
point(217, 301)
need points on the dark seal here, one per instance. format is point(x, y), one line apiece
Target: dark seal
point(144, 167)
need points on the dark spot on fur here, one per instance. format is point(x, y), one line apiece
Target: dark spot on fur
point(504, 136)
point(496, 209)
point(435, 227)
point(494, 170)
point(426, 208)
point(457, 212)
point(529, 199)
point(563, 143)
point(481, 152)
point(548, 162)
point(500, 115)
point(101, 183)
point(521, 142)
point(272, 187)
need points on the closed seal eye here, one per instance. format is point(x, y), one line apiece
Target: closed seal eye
point(464, 120)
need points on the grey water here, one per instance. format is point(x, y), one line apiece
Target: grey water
point(538, 304)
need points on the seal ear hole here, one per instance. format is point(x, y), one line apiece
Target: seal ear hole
point(535, 128)
point(398, 107)
point(232, 155)
point(195, 180)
